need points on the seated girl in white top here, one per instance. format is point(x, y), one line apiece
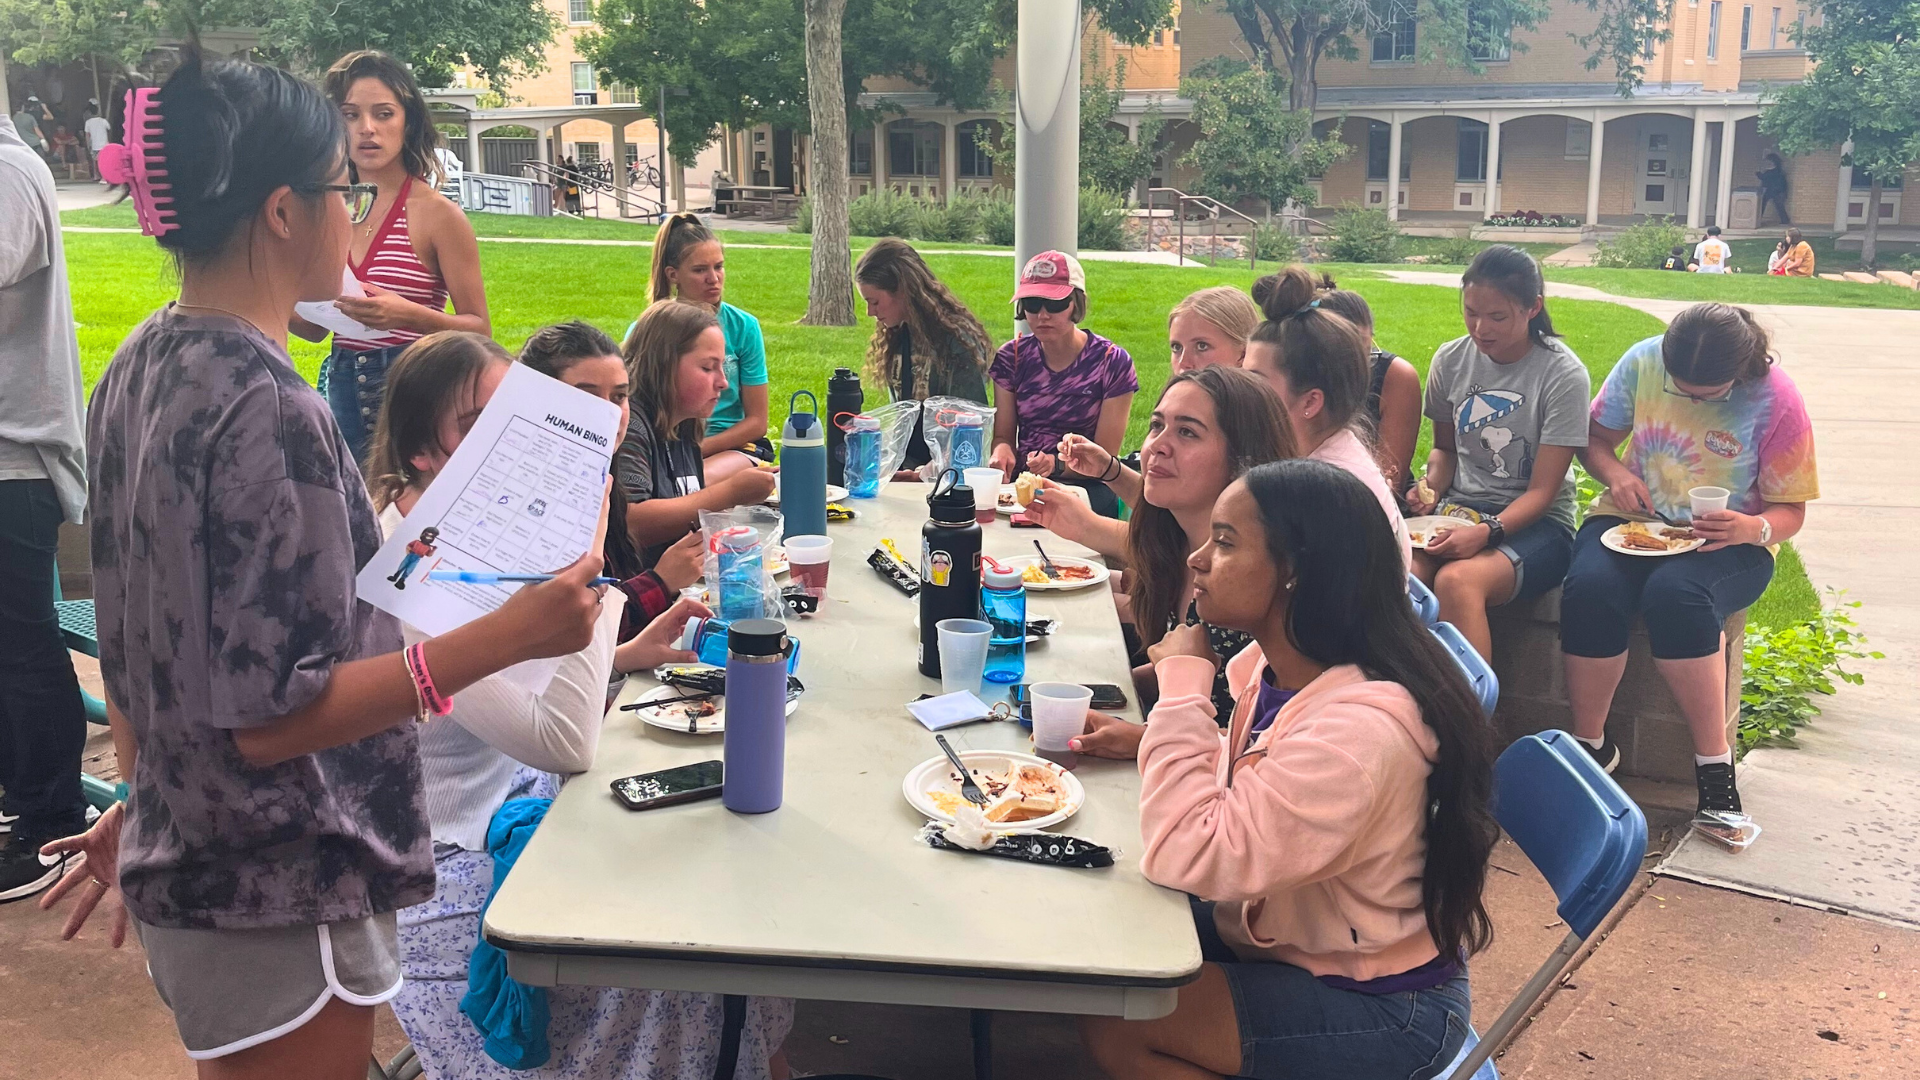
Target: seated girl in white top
point(501, 742)
point(1317, 362)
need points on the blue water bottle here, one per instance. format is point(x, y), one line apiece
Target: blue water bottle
point(1003, 603)
point(755, 740)
point(707, 639)
point(863, 457)
point(803, 469)
point(969, 441)
point(741, 559)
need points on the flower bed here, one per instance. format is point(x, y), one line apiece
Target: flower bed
point(1532, 219)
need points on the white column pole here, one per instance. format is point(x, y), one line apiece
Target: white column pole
point(476, 161)
point(619, 167)
point(1595, 141)
point(1696, 180)
point(1723, 204)
point(1394, 131)
point(1046, 199)
point(1845, 195)
point(950, 158)
point(1493, 164)
point(880, 155)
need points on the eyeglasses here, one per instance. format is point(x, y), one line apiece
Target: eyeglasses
point(1031, 304)
point(358, 197)
point(1673, 390)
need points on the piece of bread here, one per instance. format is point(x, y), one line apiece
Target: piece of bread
point(1025, 487)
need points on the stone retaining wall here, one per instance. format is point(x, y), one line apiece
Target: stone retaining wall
point(1645, 721)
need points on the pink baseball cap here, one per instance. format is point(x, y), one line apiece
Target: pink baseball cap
point(1051, 275)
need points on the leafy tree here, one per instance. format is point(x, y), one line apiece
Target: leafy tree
point(830, 286)
point(500, 39)
point(1109, 162)
point(1864, 88)
point(35, 32)
point(1252, 144)
point(1292, 36)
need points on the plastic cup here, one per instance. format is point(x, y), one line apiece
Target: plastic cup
point(808, 557)
point(986, 493)
point(1708, 500)
point(963, 653)
point(1059, 714)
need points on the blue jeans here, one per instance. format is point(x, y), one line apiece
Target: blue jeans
point(1685, 599)
point(354, 383)
point(1294, 1026)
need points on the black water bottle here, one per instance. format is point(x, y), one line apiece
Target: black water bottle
point(949, 565)
point(844, 399)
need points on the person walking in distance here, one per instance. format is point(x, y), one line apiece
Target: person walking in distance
point(43, 482)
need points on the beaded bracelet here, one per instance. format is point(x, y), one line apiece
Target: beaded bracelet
point(430, 698)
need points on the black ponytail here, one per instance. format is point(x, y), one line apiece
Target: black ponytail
point(1517, 276)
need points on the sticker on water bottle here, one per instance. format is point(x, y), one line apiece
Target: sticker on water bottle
point(939, 568)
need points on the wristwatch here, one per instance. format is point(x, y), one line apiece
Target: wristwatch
point(1766, 532)
point(1496, 531)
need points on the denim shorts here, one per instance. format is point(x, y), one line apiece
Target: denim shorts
point(1685, 599)
point(1292, 1025)
point(354, 383)
point(1540, 554)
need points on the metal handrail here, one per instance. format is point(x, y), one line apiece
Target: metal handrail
point(1212, 208)
point(594, 185)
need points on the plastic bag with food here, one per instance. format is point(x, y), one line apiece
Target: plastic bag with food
point(739, 563)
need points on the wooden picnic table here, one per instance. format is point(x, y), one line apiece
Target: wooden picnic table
point(833, 896)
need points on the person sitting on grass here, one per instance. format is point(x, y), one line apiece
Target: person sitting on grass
point(1336, 840)
point(1508, 403)
point(1712, 255)
point(502, 742)
point(1798, 261)
point(1676, 259)
point(1777, 256)
point(1704, 406)
point(925, 344)
point(689, 263)
point(1058, 380)
point(1393, 393)
point(1317, 362)
point(676, 361)
point(1209, 427)
point(266, 719)
point(583, 356)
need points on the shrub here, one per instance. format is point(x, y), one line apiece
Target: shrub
point(1102, 220)
point(996, 219)
point(958, 219)
point(1532, 219)
point(883, 213)
point(1453, 251)
point(1641, 246)
point(1363, 236)
point(1273, 243)
point(1785, 667)
point(803, 216)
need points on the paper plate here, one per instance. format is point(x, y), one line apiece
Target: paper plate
point(935, 775)
point(1100, 573)
point(1611, 538)
point(1424, 527)
point(674, 718)
point(835, 493)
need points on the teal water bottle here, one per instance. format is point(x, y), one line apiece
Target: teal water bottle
point(1003, 603)
point(803, 469)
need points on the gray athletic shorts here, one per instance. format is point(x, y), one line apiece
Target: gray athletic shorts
point(234, 989)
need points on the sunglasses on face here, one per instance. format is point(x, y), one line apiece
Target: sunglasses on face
point(1032, 304)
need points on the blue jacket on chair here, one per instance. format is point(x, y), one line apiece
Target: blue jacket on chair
point(511, 1017)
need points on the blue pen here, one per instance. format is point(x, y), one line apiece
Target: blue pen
point(477, 577)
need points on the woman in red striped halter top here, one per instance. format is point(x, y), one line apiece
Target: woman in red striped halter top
point(414, 251)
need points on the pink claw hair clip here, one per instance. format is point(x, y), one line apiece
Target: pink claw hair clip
point(141, 165)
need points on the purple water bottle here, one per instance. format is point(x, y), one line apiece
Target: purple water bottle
point(755, 741)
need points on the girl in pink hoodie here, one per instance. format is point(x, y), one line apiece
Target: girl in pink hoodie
point(1335, 837)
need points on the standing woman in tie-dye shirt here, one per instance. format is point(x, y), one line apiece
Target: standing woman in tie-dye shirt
point(1705, 407)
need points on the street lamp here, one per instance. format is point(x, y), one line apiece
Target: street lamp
point(660, 130)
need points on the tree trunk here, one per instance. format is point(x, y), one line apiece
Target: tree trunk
point(830, 292)
point(1303, 90)
point(1869, 239)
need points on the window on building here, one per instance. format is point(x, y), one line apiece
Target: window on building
point(1713, 30)
point(1395, 38)
point(586, 153)
point(1159, 38)
point(1746, 27)
point(582, 78)
point(579, 11)
point(1488, 38)
point(1579, 140)
point(1863, 180)
point(1773, 31)
point(1380, 149)
point(1472, 161)
point(622, 94)
point(971, 160)
point(860, 151)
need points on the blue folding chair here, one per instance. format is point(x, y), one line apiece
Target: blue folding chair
point(1472, 664)
point(1585, 836)
point(1424, 602)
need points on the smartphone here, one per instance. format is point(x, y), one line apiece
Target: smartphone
point(687, 783)
point(1105, 696)
point(1022, 521)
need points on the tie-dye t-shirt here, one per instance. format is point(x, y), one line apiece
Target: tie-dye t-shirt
point(228, 524)
point(1758, 444)
point(1053, 403)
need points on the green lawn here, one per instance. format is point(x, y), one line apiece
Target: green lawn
point(118, 279)
point(1751, 255)
point(1742, 288)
